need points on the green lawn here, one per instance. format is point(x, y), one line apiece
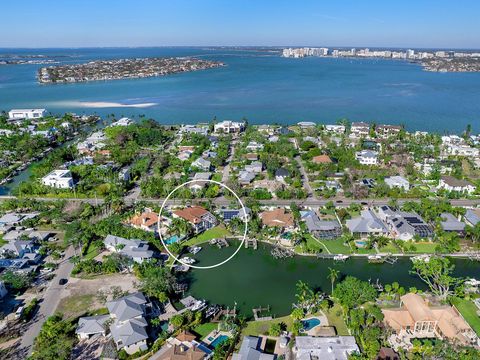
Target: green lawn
point(93, 250)
point(365, 251)
point(213, 233)
point(205, 329)
point(256, 328)
point(390, 248)
point(424, 248)
point(335, 318)
point(311, 244)
point(337, 247)
point(469, 311)
point(78, 305)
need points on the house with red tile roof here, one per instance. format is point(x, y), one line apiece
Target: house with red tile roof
point(200, 218)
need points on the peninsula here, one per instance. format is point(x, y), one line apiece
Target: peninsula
point(468, 64)
point(121, 69)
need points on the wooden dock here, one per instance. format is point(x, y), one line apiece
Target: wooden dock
point(251, 243)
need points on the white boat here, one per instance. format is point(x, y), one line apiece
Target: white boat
point(199, 305)
point(187, 260)
point(375, 258)
point(340, 257)
point(425, 258)
point(194, 249)
point(472, 282)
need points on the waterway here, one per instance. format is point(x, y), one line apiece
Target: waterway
point(253, 278)
point(258, 85)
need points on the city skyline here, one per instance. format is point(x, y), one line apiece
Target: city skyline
point(146, 23)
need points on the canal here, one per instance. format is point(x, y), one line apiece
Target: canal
point(253, 278)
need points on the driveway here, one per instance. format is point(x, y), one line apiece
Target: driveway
point(50, 301)
point(306, 183)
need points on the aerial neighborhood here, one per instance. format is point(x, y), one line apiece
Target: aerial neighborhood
point(87, 268)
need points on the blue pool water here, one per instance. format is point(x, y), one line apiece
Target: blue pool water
point(220, 339)
point(172, 239)
point(360, 243)
point(309, 324)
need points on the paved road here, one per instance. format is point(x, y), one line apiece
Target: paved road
point(50, 301)
point(274, 202)
point(306, 182)
point(226, 169)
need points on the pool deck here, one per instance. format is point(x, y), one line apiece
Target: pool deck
point(215, 334)
point(319, 329)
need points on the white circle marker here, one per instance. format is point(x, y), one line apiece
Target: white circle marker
point(245, 220)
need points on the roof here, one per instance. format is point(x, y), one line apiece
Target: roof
point(472, 216)
point(454, 182)
point(192, 214)
point(314, 223)
point(367, 222)
point(325, 348)
point(129, 332)
point(277, 217)
point(127, 307)
point(322, 159)
point(185, 336)
point(282, 172)
point(91, 324)
point(180, 352)
point(451, 223)
point(249, 350)
point(417, 307)
point(147, 218)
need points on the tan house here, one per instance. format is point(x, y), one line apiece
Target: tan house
point(416, 319)
point(183, 346)
point(277, 218)
point(147, 221)
point(322, 159)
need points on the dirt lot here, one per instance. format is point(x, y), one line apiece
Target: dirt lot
point(80, 295)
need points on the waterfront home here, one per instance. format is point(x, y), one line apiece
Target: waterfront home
point(322, 228)
point(336, 129)
point(203, 164)
point(251, 348)
point(325, 348)
point(229, 127)
point(198, 217)
point(472, 216)
point(306, 124)
point(183, 346)
point(129, 325)
point(135, 249)
point(17, 114)
point(147, 221)
point(282, 174)
point(254, 146)
point(450, 183)
point(397, 182)
point(366, 224)
point(404, 225)
point(462, 150)
point(367, 157)
point(230, 214)
point(194, 129)
point(124, 121)
point(450, 223)
point(245, 177)
point(416, 318)
point(60, 179)
point(277, 218)
point(385, 131)
point(359, 129)
point(91, 325)
point(92, 144)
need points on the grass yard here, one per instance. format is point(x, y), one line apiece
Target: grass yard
point(93, 250)
point(77, 305)
point(256, 328)
point(469, 311)
point(335, 318)
point(337, 247)
point(365, 251)
point(213, 233)
point(390, 248)
point(205, 329)
point(311, 244)
point(424, 248)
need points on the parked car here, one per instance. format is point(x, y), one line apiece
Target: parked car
point(19, 312)
point(62, 281)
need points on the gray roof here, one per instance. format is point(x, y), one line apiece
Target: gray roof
point(201, 162)
point(368, 222)
point(14, 218)
point(325, 348)
point(246, 176)
point(472, 216)
point(314, 223)
point(91, 324)
point(127, 307)
point(129, 332)
point(451, 223)
point(282, 172)
point(131, 247)
point(249, 350)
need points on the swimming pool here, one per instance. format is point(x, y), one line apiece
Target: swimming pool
point(172, 239)
point(220, 339)
point(309, 324)
point(360, 243)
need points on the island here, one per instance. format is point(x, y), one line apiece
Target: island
point(122, 69)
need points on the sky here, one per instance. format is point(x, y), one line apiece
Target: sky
point(374, 23)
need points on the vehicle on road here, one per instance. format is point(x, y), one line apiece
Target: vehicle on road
point(62, 281)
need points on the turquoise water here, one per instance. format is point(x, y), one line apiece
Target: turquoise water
point(220, 339)
point(172, 239)
point(309, 324)
point(261, 86)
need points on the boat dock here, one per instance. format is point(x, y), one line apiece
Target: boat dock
point(251, 243)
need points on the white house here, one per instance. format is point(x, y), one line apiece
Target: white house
point(367, 157)
point(397, 182)
point(337, 129)
point(229, 127)
point(202, 164)
point(124, 121)
point(27, 113)
point(360, 129)
point(138, 250)
point(60, 179)
point(450, 183)
point(334, 347)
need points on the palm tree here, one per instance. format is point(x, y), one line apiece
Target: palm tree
point(333, 276)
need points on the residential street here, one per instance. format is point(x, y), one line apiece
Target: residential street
point(49, 301)
point(306, 183)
